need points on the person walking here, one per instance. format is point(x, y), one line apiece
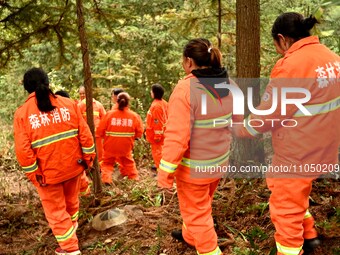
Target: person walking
point(155, 122)
point(119, 128)
point(50, 138)
point(313, 136)
point(196, 141)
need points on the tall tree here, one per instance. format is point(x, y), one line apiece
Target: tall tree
point(88, 88)
point(219, 31)
point(248, 71)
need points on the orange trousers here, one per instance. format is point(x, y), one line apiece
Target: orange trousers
point(288, 205)
point(195, 206)
point(61, 207)
point(127, 167)
point(156, 150)
point(99, 148)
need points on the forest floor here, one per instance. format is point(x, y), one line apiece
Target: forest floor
point(240, 211)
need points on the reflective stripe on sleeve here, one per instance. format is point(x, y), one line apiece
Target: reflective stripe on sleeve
point(30, 169)
point(88, 150)
point(54, 138)
point(316, 109)
point(95, 113)
point(167, 166)
point(219, 122)
point(157, 132)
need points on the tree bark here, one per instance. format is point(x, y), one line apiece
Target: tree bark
point(219, 33)
point(248, 69)
point(88, 89)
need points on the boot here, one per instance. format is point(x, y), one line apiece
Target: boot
point(60, 251)
point(177, 234)
point(309, 245)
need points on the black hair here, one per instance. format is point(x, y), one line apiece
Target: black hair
point(36, 80)
point(62, 93)
point(293, 25)
point(116, 91)
point(123, 100)
point(158, 91)
point(203, 53)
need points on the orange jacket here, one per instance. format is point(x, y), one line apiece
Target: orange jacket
point(119, 130)
point(192, 139)
point(316, 138)
point(98, 111)
point(156, 120)
point(50, 144)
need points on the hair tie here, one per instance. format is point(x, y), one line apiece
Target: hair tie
point(209, 49)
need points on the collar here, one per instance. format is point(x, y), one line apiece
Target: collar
point(301, 43)
point(30, 96)
point(190, 75)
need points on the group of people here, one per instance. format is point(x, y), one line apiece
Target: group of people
point(51, 136)
point(117, 130)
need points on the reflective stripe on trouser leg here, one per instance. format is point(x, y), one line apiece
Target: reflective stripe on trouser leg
point(284, 250)
point(195, 206)
point(308, 226)
point(216, 251)
point(288, 204)
point(53, 199)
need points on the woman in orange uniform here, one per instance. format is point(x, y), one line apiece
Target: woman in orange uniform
point(51, 137)
point(155, 122)
point(120, 128)
point(197, 142)
point(313, 138)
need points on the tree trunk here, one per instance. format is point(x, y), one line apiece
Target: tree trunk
point(219, 32)
point(88, 89)
point(248, 69)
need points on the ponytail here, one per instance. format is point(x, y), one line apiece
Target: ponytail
point(203, 53)
point(293, 25)
point(309, 23)
point(123, 100)
point(36, 80)
point(44, 103)
point(215, 58)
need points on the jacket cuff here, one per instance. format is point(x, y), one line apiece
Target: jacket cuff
point(165, 179)
point(33, 179)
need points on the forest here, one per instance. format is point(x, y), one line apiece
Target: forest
point(133, 44)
